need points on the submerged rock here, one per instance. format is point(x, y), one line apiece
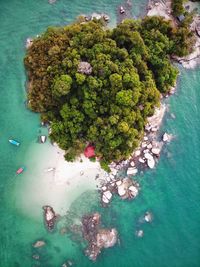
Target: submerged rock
point(139, 233)
point(131, 171)
point(36, 256)
point(167, 137)
point(148, 217)
point(39, 243)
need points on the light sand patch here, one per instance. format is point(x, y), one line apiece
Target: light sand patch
point(58, 187)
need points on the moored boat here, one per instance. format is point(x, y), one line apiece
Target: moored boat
point(20, 170)
point(14, 142)
point(43, 138)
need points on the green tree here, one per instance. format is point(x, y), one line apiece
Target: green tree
point(62, 85)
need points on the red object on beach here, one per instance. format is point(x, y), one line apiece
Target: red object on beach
point(89, 151)
point(20, 170)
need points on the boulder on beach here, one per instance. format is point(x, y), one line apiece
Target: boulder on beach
point(148, 156)
point(119, 182)
point(141, 160)
point(151, 163)
point(113, 171)
point(144, 144)
point(127, 189)
point(132, 163)
point(149, 146)
point(106, 196)
point(137, 153)
point(155, 151)
point(121, 190)
point(104, 188)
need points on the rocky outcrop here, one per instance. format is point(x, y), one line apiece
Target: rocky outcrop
point(97, 238)
point(50, 217)
point(106, 238)
point(125, 188)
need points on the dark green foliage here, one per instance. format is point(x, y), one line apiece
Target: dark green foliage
point(177, 7)
point(108, 108)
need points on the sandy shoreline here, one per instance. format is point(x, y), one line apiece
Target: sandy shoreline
point(59, 187)
point(50, 180)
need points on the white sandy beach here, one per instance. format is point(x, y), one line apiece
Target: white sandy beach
point(58, 188)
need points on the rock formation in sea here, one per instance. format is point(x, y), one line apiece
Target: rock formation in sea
point(50, 217)
point(97, 238)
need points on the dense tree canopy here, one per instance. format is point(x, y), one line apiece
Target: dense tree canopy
point(108, 105)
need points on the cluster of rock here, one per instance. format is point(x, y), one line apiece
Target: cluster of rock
point(126, 188)
point(146, 155)
point(97, 16)
point(150, 147)
point(97, 237)
point(146, 218)
point(124, 11)
point(50, 217)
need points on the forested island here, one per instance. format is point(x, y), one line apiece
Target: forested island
point(98, 86)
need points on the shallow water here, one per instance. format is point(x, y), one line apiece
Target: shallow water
point(171, 192)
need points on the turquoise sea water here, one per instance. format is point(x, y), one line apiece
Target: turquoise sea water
point(171, 191)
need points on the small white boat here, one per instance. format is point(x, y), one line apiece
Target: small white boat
point(50, 170)
point(43, 138)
